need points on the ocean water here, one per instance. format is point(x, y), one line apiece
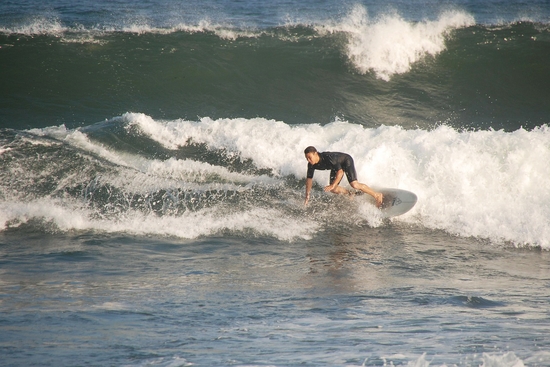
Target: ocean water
point(152, 183)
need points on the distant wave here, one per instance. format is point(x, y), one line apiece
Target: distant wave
point(54, 27)
point(390, 45)
point(386, 45)
point(372, 71)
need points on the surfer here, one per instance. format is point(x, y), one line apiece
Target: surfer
point(338, 164)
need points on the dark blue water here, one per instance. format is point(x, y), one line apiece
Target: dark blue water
point(152, 183)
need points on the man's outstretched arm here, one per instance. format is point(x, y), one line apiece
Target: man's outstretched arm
point(309, 184)
point(333, 187)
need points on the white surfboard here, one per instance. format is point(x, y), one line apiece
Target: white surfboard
point(396, 201)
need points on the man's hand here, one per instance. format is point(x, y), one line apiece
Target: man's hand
point(330, 188)
point(334, 185)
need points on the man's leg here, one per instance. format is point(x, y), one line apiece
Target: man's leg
point(351, 174)
point(338, 189)
point(376, 195)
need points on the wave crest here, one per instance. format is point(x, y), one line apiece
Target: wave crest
point(391, 45)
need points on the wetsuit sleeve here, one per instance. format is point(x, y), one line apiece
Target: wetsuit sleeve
point(310, 171)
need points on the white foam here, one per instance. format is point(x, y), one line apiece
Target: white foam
point(52, 26)
point(223, 31)
point(14, 214)
point(67, 216)
point(154, 173)
point(263, 141)
point(490, 184)
point(390, 45)
point(37, 26)
point(508, 359)
point(501, 360)
point(138, 175)
point(80, 140)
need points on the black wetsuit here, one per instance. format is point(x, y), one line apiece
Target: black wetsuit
point(334, 161)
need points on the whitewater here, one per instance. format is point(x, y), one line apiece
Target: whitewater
point(486, 184)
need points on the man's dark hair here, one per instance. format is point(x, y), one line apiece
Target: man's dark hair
point(310, 149)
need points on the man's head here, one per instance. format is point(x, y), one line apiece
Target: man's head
point(312, 155)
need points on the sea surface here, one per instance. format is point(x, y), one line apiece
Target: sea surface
point(152, 183)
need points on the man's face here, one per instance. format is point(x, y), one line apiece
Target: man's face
point(312, 157)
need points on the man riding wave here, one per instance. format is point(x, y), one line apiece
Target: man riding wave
point(338, 164)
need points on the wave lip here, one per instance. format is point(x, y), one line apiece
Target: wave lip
point(53, 26)
point(37, 26)
point(391, 45)
point(475, 302)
